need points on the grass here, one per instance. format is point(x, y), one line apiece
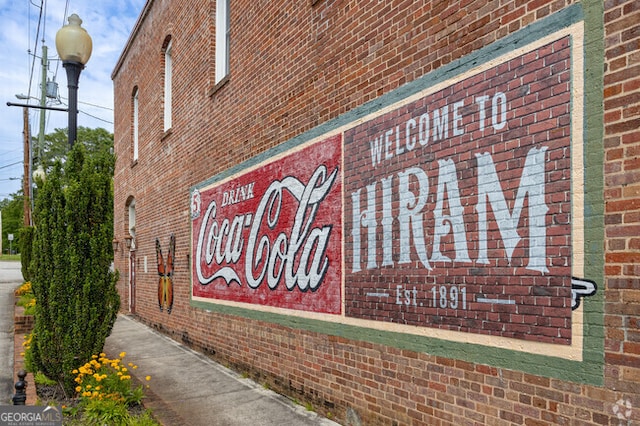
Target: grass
point(9, 257)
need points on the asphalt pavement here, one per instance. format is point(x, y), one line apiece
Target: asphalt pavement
point(10, 278)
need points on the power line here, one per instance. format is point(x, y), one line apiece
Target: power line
point(90, 115)
point(85, 103)
point(97, 118)
point(9, 165)
point(97, 106)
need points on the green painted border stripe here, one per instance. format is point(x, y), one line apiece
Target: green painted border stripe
point(594, 182)
point(588, 371)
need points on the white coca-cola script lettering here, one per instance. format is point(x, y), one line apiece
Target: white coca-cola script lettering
point(298, 256)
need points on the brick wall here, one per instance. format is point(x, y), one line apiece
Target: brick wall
point(622, 193)
point(295, 67)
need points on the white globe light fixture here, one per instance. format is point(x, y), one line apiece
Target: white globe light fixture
point(74, 47)
point(39, 175)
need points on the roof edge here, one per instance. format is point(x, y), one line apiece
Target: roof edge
point(134, 32)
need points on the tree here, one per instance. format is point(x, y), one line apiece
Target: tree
point(12, 220)
point(74, 287)
point(26, 251)
point(56, 145)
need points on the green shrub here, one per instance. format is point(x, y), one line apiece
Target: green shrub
point(144, 419)
point(41, 379)
point(26, 250)
point(77, 301)
point(106, 412)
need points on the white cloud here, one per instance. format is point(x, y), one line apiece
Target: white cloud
point(109, 22)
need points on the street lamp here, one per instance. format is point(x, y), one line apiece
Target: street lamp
point(74, 46)
point(39, 175)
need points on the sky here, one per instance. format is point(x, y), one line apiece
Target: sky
point(24, 24)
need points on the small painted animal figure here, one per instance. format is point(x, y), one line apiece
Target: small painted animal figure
point(165, 270)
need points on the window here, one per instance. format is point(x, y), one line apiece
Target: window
point(135, 124)
point(222, 39)
point(167, 86)
point(132, 223)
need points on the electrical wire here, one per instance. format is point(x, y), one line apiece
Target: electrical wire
point(35, 48)
point(90, 115)
point(9, 165)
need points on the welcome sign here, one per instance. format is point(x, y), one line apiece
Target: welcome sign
point(451, 209)
point(465, 207)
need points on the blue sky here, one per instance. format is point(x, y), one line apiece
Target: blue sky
point(108, 22)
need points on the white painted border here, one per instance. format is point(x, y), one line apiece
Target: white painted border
point(570, 352)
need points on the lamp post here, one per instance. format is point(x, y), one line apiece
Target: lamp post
point(74, 46)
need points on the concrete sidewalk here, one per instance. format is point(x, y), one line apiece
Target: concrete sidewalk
point(187, 388)
point(10, 279)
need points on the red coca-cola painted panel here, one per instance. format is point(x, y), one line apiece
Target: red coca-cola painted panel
point(273, 236)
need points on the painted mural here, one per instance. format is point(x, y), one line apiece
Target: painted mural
point(462, 220)
point(165, 272)
point(451, 209)
point(272, 236)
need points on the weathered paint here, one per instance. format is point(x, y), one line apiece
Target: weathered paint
point(528, 356)
point(272, 236)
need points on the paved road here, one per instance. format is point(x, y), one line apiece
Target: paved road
point(10, 278)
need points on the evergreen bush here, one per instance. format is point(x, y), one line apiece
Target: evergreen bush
point(26, 241)
point(73, 282)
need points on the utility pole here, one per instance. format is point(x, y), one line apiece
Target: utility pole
point(26, 181)
point(43, 108)
point(43, 102)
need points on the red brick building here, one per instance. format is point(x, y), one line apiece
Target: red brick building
point(400, 212)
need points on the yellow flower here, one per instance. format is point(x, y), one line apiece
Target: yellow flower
point(123, 354)
point(94, 356)
point(78, 388)
point(147, 378)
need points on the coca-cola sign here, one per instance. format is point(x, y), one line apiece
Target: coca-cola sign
point(272, 236)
